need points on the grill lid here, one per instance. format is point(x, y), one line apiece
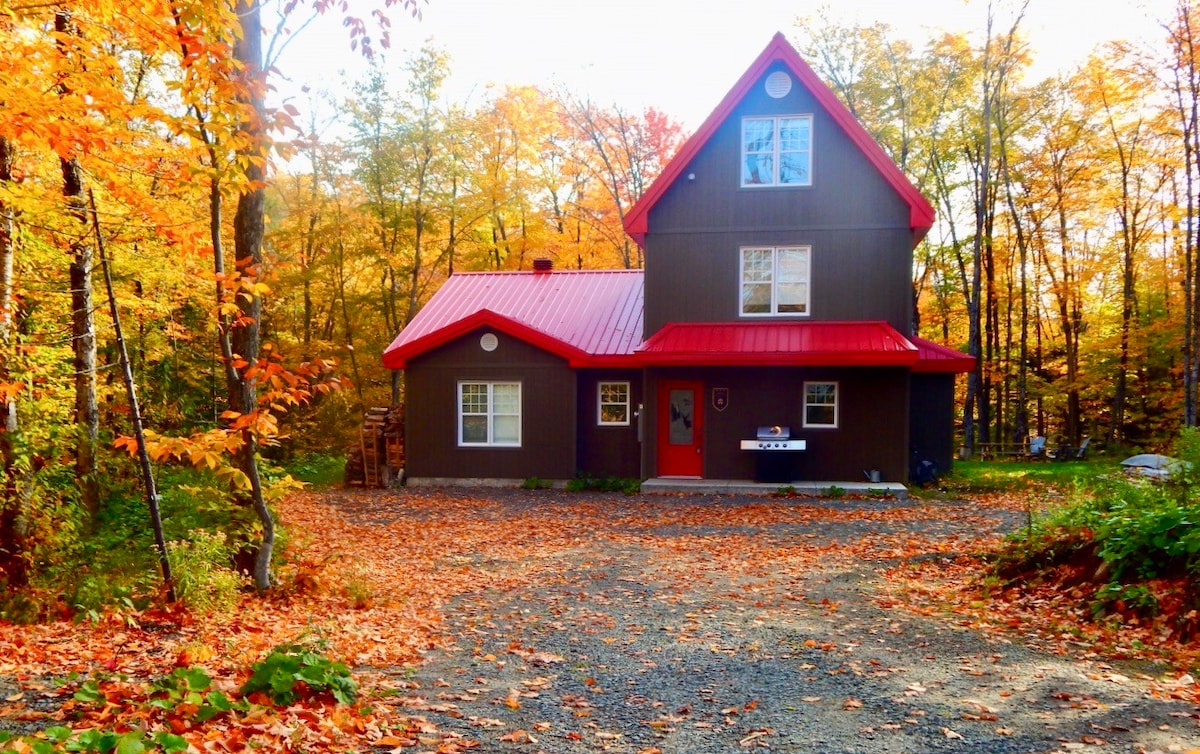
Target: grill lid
point(775, 432)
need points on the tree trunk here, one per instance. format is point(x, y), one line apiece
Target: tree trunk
point(135, 412)
point(83, 328)
point(1186, 87)
point(247, 244)
point(14, 572)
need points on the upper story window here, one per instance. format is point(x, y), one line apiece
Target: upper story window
point(489, 414)
point(614, 404)
point(777, 151)
point(775, 280)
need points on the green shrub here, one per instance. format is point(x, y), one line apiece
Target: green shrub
point(1138, 528)
point(585, 482)
point(191, 687)
point(1133, 596)
point(204, 580)
point(535, 483)
point(292, 671)
point(1147, 540)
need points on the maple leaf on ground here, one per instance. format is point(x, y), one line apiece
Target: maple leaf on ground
point(520, 736)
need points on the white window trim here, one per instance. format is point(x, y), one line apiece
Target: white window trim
point(491, 414)
point(837, 400)
point(600, 403)
point(774, 281)
point(775, 184)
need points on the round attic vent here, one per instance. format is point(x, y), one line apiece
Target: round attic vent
point(778, 85)
point(488, 341)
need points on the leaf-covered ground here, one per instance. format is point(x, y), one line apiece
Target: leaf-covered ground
point(509, 620)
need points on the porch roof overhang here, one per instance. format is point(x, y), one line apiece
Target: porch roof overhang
point(936, 358)
point(865, 344)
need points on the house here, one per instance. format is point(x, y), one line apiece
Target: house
point(776, 293)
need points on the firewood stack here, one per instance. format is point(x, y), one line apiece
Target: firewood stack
point(379, 457)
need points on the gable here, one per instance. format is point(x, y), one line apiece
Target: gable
point(781, 55)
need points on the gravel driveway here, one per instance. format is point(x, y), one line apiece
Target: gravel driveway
point(717, 624)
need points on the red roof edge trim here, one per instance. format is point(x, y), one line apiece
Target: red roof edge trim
point(398, 358)
point(921, 212)
point(815, 359)
point(858, 344)
point(937, 358)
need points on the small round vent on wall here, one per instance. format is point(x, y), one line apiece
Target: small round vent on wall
point(489, 341)
point(778, 84)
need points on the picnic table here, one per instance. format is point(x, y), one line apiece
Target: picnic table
point(992, 450)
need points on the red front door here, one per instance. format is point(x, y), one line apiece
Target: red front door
point(680, 428)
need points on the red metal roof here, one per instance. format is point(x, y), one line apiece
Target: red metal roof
point(594, 318)
point(934, 357)
point(921, 213)
point(588, 317)
point(778, 344)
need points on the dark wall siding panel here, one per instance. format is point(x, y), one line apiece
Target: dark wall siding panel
point(856, 223)
point(695, 278)
point(547, 412)
point(931, 419)
point(872, 431)
point(608, 451)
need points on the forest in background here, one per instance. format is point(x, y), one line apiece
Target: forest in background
point(255, 296)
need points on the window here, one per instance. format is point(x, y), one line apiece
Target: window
point(777, 151)
point(775, 280)
point(489, 414)
point(820, 404)
point(614, 404)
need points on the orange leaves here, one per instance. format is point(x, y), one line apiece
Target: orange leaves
point(518, 737)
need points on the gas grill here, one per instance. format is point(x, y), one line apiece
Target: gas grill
point(772, 460)
point(773, 438)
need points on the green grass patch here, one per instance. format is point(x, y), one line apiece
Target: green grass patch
point(980, 477)
point(319, 471)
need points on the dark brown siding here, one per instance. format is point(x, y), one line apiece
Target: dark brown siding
point(547, 412)
point(872, 428)
point(608, 451)
point(857, 225)
point(931, 420)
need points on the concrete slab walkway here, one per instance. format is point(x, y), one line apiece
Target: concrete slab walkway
point(747, 487)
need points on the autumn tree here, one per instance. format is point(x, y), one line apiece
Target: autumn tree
point(616, 156)
point(1182, 74)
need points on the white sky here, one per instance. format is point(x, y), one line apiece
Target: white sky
point(680, 56)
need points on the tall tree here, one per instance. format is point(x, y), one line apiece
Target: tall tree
point(999, 55)
point(622, 153)
point(83, 326)
point(1183, 76)
point(248, 228)
point(13, 568)
point(1134, 187)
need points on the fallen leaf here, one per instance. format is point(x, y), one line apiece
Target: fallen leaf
point(519, 736)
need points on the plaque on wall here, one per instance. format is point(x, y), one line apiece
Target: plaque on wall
point(720, 398)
